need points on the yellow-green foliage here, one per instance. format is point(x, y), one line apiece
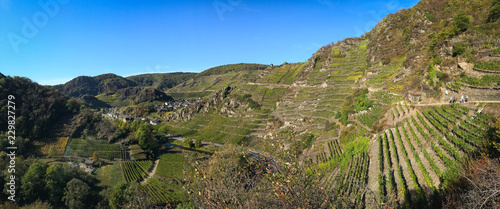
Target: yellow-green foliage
point(214, 128)
point(352, 133)
point(335, 51)
point(284, 74)
point(355, 78)
point(351, 149)
point(432, 74)
point(363, 45)
point(495, 51)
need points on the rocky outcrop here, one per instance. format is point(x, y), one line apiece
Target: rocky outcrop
point(219, 101)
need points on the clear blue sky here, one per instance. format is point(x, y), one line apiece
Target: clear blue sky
point(55, 43)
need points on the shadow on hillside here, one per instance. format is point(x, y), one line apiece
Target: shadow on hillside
point(170, 145)
point(426, 198)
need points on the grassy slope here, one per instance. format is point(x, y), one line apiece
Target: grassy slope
point(109, 175)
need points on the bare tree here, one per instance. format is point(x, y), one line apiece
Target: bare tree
point(478, 186)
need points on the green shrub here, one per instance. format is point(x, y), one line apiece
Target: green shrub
point(308, 140)
point(361, 102)
point(442, 76)
point(197, 143)
point(344, 117)
point(335, 51)
point(461, 22)
point(495, 51)
point(253, 104)
point(432, 74)
point(459, 49)
point(437, 60)
point(188, 143)
point(494, 11)
point(429, 17)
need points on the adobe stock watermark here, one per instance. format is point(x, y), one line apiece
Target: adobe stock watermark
point(377, 16)
point(223, 6)
point(31, 26)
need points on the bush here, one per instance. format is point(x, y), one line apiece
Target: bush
point(494, 11)
point(429, 17)
point(188, 143)
point(361, 101)
point(495, 51)
point(461, 22)
point(253, 104)
point(458, 49)
point(437, 60)
point(344, 117)
point(432, 74)
point(197, 143)
point(442, 76)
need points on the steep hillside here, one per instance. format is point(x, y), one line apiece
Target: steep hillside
point(215, 79)
point(35, 106)
point(113, 90)
point(161, 81)
point(142, 94)
point(441, 40)
point(106, 83)
point(223, 69)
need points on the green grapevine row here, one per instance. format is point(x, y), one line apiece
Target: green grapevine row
point(132, 171)
point(417, 188)
point(427, 178)
point(426, 154)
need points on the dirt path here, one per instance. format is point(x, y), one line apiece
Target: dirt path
point(152, 173)
point(447, 103)
point(395, 165)
point(371, 198)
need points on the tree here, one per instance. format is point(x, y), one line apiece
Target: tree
point(52, 151)
point(55, 183)
point(95, 157)
point(129, 196)
point(188, 143)
point(85, 133)
point(72, 105)
point(494, 11)
point(163, 129)
point(75, 194)
point(118, 198)
point(33, 182)
point(197, 143)
point(461, 22)
point(146, 140)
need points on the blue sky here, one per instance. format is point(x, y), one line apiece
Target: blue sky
point(53, 41)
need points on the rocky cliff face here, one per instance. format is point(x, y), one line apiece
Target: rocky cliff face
point(219, 101)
